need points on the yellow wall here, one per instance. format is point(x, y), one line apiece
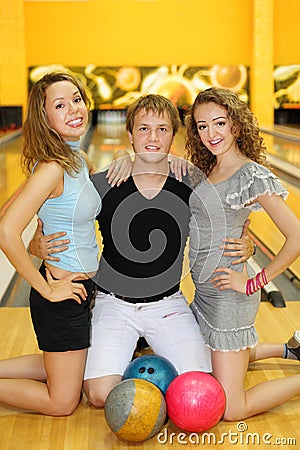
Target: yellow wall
point(117, 32)
point(286, 32)
point(13, 77)
point(262, 67)
point(135, 32)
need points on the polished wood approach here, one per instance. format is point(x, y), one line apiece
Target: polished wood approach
point(86, 429)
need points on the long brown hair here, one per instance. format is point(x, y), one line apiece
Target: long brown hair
point(40, 142)
point(244, 128)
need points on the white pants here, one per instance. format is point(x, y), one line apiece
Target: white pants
point(168, 325)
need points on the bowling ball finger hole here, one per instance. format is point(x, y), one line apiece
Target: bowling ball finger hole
point(142, 370)
point(151, 370)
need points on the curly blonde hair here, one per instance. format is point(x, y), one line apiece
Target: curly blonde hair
point(40, 142)
point(244, 128)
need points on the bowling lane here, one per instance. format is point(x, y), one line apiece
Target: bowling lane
point(283, 145)
point(284, 151)
point(266, 231)
point(106, 139)
point(11, 175)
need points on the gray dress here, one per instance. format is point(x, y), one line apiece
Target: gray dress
point(226, 317)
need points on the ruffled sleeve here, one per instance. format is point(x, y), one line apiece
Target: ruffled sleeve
point(249, 183)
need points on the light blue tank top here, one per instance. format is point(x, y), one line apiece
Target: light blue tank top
point(74, 212)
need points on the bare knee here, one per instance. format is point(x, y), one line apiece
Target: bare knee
point(96, 399)
point(61, 411)
point(62, 408)
point(234, 412)
point(95, 393)
point(230, 416)
point(97, 389)
point(236, 405)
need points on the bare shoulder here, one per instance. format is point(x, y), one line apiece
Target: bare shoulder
point(52, 169)
point(46, 178)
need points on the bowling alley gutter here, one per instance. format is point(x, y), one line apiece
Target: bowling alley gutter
point(283, 132)
point(291, 135)
point(284, 166)
point(10, 137)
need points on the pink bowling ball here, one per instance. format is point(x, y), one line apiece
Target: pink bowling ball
point(195, 401)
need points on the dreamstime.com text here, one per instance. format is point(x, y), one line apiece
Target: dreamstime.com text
point(241, 436)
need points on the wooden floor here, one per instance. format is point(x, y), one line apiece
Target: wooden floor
point(86, 429)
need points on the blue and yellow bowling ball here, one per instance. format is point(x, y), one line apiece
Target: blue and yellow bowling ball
point(135, 410)
point(153, 368)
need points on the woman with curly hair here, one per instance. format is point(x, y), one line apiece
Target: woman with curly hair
point(223, 141)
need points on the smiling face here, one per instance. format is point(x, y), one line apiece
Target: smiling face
point(152, 136)
point(66, 110)
point(214, 129)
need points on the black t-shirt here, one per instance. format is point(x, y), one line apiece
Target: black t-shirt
point(143, 239)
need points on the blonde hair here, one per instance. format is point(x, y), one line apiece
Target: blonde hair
point(41, 143)
point(244, 128)
point(158, 105)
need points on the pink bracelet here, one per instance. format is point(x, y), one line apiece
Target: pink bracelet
point(257, 281)
point(248, 287)
point(264, 276)
point(253, 285)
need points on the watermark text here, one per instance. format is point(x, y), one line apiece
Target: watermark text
point(240, 436)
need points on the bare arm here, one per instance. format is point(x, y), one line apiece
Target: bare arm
point(178, 166)
point(14, 221)
point(120, 168)
point(16, 193)
point(289, 225)
point(45, 246)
